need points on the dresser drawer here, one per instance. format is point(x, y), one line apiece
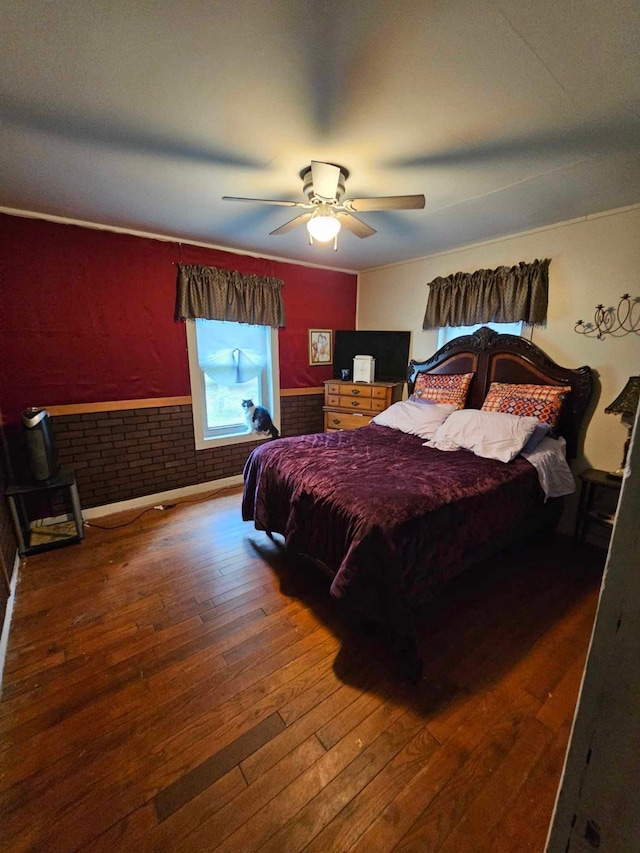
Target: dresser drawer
point(337, 420)
point(356, 403)
point(363, 391)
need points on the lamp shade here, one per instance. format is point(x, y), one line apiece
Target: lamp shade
point(626, 402)
point(324, 225)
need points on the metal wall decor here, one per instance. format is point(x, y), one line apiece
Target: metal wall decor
point(617, 322)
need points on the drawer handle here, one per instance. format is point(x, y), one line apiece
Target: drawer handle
point(355, 390)
point(336, 420)
point(355, 402)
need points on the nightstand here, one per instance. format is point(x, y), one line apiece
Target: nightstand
point(594, 480)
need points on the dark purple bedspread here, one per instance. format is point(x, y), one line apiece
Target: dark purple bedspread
point(390, 518)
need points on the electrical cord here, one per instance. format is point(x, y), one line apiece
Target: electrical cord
point(117, 526)
point(158, 507)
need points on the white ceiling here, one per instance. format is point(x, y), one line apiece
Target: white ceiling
point(142, 114)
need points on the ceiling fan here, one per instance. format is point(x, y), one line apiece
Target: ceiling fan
point(327, 211)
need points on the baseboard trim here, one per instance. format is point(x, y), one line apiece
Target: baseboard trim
point(157, 498)
point(4, 637)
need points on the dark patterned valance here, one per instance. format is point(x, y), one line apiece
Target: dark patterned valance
point(211, 294)
point(503, 295)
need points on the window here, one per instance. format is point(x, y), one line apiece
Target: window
point(229, 363)
point(448, 333)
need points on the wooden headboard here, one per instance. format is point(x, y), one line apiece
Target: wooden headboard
point(508, 358)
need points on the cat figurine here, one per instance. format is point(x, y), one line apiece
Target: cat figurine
point(259, 419)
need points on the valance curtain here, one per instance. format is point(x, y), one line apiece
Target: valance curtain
point(212, 294)
point(503, 295)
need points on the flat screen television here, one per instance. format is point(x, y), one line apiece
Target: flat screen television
point(390, 350)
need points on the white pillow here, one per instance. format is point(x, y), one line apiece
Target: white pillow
point(414, 418)
point(493, 435)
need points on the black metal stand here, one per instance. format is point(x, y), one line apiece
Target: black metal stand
point(16, 493)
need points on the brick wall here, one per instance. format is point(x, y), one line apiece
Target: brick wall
point(7, 538)
point(131, 453)
point(302, 415)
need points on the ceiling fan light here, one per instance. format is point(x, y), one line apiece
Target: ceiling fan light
point(323, 228)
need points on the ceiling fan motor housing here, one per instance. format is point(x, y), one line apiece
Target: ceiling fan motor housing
point(308, 190)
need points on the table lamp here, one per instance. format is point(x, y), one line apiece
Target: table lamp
point(625, 404)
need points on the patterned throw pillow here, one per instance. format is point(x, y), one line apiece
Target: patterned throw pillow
point(450, 388)
point(540, 401)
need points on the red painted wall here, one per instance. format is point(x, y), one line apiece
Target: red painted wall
point(88, 316)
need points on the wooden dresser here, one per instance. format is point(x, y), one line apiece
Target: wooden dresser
point(348, 405)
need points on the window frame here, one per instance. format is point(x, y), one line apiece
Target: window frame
point(198, 398)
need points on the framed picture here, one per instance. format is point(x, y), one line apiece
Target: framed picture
point(320, 346)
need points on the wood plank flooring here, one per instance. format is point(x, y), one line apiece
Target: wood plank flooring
point(179, 684)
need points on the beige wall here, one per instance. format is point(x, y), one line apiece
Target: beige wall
point(593, 260)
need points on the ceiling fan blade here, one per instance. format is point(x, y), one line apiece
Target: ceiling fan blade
point(325, 177)
point(390, 202)
point(292, 223)
point(355, 225)
point(266, 201)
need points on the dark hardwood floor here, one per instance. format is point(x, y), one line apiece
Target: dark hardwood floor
point(178, 684)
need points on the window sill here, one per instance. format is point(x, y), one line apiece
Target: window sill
point(226, 440)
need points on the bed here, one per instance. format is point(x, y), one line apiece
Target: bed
point(392, 520)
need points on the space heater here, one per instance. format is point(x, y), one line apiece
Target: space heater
point(41, 448)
